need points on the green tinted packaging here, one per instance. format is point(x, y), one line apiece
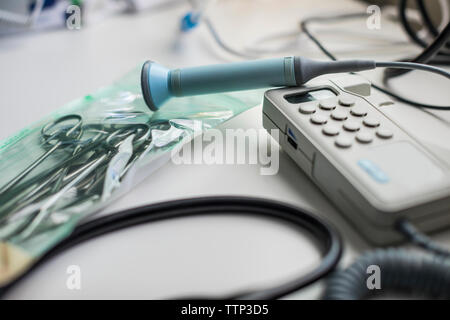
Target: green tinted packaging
point(80, 158)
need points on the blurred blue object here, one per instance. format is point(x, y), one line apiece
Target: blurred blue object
point(47, 4)
point(189, 21)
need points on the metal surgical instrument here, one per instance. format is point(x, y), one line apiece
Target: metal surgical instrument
point(76, 179)
point(61, 137)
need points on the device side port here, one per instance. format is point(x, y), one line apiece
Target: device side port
point(292, 142)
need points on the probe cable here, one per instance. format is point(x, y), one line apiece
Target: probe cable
point(327, 237)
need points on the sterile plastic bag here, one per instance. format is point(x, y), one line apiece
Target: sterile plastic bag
point(78, 159)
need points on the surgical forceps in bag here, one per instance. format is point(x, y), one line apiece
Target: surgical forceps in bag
point(62, 138)
point(90, 157)
point(58, 134)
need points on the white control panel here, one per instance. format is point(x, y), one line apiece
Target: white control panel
point(372, 169)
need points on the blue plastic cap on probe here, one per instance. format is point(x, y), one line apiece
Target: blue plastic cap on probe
point(155, 86)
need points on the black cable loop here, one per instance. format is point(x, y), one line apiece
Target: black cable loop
point(426, 18)
point(426, 56)
point(328, 238)
point(305, 29)
point(402, 8)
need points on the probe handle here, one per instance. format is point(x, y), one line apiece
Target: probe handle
point(160, 84)
point(235, 76)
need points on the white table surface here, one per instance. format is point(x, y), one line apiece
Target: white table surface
point(203, 255)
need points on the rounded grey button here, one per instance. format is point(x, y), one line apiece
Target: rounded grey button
point(359, 111)
point(351, 125)
point(384, 133)
point(339, 115)
point(346, 101)
point(318, 119)
point(343, 142)
point(330, 130)
point(307, 109)
point(371, 122)
point(364, 137)
point(327, 105)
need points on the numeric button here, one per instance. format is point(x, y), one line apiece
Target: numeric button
point(339, 115)
point(351, 125)
point(343, 142)
point(318, 119)
point(359, 111)
point(346, 101)
point(327, 105)
point(364, 137)
point(307, 109)
point(384, 133)
point(330, 130)
point(371, 122)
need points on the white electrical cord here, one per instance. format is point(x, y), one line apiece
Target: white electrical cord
point(254, 50)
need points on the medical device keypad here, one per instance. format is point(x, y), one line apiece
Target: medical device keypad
point(372, 169)
point(344, 114)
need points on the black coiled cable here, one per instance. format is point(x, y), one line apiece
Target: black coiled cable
point(400, 271)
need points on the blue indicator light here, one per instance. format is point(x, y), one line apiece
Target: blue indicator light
point(373, 170)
